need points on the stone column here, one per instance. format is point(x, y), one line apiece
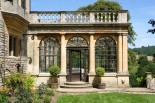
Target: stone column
point(62, 75)
point(28, 5)
point(125, 54)
point(123, 75)
point(119, 59)
point(63, 55)
point(91, 59)
point(19, 2)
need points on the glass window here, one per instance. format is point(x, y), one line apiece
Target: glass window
point(105, 53)
point(12, 46)
point(77, 42)
point(23, 4)
point(49, 53)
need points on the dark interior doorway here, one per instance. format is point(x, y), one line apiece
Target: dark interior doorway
point(77, 64)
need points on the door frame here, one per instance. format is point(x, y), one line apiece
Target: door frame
point(77, 49)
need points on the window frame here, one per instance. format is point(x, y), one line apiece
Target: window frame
point(106, 54)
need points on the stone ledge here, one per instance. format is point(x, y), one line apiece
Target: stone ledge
point(123, 74)
point(44, 75)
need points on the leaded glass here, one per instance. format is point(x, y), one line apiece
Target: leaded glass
point(77, 41)
point(105, 53)
point(49, 53)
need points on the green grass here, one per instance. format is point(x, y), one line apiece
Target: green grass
point(107, 98)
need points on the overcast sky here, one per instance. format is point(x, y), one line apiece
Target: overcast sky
point(141, 12)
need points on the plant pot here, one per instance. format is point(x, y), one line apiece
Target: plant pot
point(53, 85)
point(101, 86)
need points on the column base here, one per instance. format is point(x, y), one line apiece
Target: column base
point(62, 79)
point(91, 78)
point(123, 80)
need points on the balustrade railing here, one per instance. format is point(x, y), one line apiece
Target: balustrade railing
point(37, 17)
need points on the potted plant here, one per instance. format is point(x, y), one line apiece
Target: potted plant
point(99, 73)
point(54, 71)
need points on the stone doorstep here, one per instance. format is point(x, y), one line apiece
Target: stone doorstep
point(76, 86)
point(92, 90)
point(76, 83)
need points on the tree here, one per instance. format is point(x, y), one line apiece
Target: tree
point(110, 5)
point(152, 22)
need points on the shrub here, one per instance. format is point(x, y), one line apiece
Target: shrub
point(20, 85)
point(50, 92)
point(47, 99)
point(4, 98)
point(133, 80)
point(14, 80)
point(43, 94)
point(28, 81)
point(23, 95)
point(54, 70)
point(42, 89)
point(100, 71)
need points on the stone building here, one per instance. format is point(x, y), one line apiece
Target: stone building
point(76, 41)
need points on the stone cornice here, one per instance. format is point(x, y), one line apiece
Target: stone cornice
point(78, 28)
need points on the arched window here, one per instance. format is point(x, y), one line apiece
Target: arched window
point(49, 53)
point(77, 41)
point(105, 53)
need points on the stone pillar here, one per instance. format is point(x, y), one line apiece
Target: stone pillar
point(123, 74)
point(119, 48)
point(62, 75)
point(148, 79)
point(91, 59)
point(63, 16)
point(28, 5)
point(19, 2)
point(125, 54)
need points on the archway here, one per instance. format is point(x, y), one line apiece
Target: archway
point(105, 53)
point(77, 61)
point(49, 53)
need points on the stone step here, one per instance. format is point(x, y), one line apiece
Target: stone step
point(76, 83)
point(76, 86)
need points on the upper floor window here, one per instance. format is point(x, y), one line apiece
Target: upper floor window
point(11, 1)
point(23, 4)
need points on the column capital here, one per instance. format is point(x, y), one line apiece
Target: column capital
point(125, 34)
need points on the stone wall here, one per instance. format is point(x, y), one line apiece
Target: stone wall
point(8, 63)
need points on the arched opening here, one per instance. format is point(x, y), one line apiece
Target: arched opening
point(105, 54)
point(77, 63)
point(49, 53)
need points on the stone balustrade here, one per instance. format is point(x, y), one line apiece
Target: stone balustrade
point(42, 17)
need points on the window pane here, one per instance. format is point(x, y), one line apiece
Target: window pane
point(10, 45)
point(14, 47)
point(49, 53)
point(105, 54)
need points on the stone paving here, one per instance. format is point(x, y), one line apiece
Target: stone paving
point(91, 90)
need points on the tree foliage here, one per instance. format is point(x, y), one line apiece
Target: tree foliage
point(152, 22)
point(138, 68)
point(150, 50)
point(110, 5)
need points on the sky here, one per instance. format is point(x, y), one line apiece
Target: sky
point(141, 12)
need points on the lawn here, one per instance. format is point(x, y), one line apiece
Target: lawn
point(107, 98)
